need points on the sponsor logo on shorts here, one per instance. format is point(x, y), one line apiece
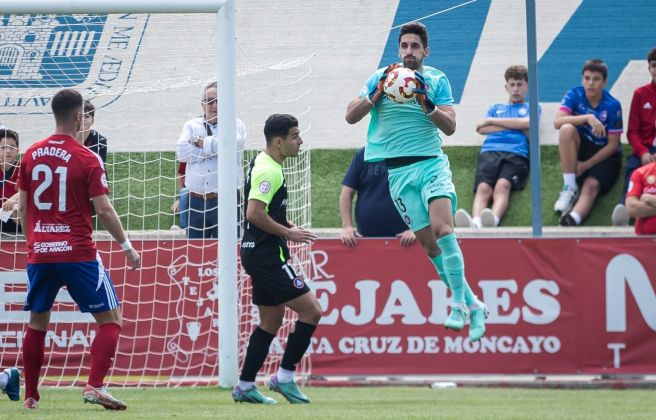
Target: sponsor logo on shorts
point(47, 247)
point(298, 283)
point(248, 244)
point(406, 219)
point(97, 305)
point(265, 187)
point(51, 228)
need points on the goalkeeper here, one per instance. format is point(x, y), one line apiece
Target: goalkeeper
point(406, 136)
point(265, 256)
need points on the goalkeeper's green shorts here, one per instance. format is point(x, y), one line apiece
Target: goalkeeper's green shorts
point(413, 186)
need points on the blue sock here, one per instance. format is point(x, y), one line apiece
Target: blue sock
point(454, 268)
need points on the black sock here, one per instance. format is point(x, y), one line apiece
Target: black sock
point(297, 344)
point(256, 354)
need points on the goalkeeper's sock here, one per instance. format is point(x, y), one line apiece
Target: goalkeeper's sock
point(256, 354)
point(103, 350)
point(284, 376)
point(439, 266)
point(33, 349)
point(454, 267)
point(470, 297)
point(297, 344)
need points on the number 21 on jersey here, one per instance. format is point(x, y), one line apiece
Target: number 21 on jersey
point(45, 172)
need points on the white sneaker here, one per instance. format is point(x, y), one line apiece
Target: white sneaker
point(487, 218)
point(566, 200)
point(463, 219)
point(620, 216)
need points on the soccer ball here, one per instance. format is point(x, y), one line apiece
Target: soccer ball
point(399, 85)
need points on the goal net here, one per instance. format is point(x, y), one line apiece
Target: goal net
point(145, 75)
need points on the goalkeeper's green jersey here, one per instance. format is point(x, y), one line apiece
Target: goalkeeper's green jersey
point(397, 130)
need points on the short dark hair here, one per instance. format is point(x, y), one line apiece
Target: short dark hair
point(89, 108)
point(517, 73)
point(8, 133)
point(651, 56)
point(278, 125)
point(65, 103)
point(596, 65)
point(416, 28)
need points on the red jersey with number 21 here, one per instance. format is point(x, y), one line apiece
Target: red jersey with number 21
point(60, 176)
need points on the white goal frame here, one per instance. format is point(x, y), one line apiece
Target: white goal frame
point(227, 115)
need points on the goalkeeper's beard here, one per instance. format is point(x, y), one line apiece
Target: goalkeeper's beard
point(410, 63)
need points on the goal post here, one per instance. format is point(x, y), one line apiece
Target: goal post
point(226, 71)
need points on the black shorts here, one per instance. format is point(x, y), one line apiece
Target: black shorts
point(606, 172)
point(275, 284)
point(495, 165)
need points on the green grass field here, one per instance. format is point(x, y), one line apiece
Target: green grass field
point(143, 187)
point(352, 403)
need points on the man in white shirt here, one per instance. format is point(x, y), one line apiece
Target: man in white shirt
point(198, 147)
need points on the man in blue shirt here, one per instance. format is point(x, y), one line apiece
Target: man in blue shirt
point(375, 214)
point(503, 162)
point(406, 137)
point(590, 123)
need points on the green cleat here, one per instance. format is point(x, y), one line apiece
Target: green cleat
point(456, 319)
point(252, 395)
point(477, 322)
point(288, 390)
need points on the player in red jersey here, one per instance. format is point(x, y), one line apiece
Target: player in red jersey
point(641, 199)
point(57, 180)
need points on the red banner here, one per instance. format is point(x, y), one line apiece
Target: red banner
point(556, 306)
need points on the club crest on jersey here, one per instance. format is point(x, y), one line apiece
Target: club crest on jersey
point(651, 179)
point(91, 53)
point(264, 187)
point(299, 283)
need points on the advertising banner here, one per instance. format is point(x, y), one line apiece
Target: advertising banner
point(556, 306)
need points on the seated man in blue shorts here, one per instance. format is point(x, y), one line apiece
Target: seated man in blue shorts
point(589, 124)
point(503, 163)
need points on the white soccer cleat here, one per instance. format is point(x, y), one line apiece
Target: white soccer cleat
point(620, 216)
point(487, 218)
point(463, 219)
point(102, 397)
point(566, 200)
point(31, 404)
